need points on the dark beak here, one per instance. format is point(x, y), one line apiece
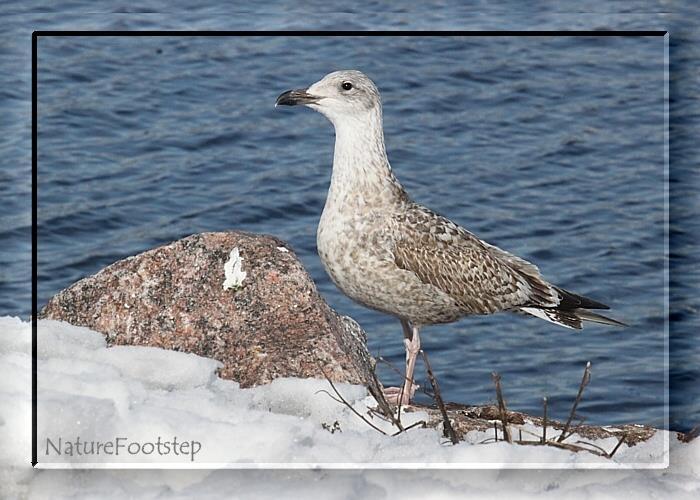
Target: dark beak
point(294, 97)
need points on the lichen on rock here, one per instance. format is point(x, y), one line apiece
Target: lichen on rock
point(233, 271)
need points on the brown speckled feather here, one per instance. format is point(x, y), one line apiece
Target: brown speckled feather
point(482, 279)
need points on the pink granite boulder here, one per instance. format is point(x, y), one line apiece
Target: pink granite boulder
point(275, 324)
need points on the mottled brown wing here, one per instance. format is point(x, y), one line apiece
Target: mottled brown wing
point(455, 261)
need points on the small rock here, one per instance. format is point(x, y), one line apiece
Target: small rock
point(275, 325)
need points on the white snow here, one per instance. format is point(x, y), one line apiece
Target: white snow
point(146, 396)
point(233, 270)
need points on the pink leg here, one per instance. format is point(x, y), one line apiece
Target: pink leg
point(411, 341)
point(412, 350)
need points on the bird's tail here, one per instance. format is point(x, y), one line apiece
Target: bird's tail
point(572, 311)
point(587, 315)
point(571, 318)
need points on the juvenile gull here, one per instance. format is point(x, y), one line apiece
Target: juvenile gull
point(391, 254)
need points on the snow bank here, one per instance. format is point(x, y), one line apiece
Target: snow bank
point(165, 407)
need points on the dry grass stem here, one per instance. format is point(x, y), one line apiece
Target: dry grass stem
point(448, 430)
point(501, 407)
point(342, 400)
point(544, 419)
point(584, 382)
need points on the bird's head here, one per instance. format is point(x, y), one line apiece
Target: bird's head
point(339, 96)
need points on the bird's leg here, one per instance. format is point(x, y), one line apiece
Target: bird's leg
point(404, 393)
point(412, 350)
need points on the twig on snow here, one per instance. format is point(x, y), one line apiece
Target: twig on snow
point(448, 430)
point(501, 407)
point(342, 400)
point(544, 420)
point(584, 382)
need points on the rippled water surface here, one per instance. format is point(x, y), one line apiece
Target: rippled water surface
point(549, 147)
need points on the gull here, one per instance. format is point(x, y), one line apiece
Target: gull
point(396, 256)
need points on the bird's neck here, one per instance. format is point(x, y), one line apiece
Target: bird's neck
point(362, 175)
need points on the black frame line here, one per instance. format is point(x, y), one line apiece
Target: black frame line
point(34, 246)
point(37, 34)
point(349, 33)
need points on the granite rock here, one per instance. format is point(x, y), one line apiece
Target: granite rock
point(275, 324)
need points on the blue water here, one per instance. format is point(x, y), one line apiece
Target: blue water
point(550, 147)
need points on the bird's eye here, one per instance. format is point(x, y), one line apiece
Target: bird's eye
point(346, 85)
